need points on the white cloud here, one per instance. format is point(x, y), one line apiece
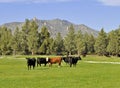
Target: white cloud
point(110, 2)
point(35, 1)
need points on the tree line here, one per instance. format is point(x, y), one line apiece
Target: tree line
point(29, 40)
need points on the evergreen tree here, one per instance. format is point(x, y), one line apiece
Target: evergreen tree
point(0, 40)
point(52, 46)
point(112, 45)
point(80, 44)
point(59, 44)
point(44, 33)
point(16, 41)
point(45, 41)
point(5, 42)
point(24, 35)
point(101, 43)
point(32, 38)
point(114, 42)
point(119, 40)
point(69, 41)
point(86, 41)
point(43, 48)
point(90, 44)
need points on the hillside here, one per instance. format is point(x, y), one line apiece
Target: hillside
point(54, 26)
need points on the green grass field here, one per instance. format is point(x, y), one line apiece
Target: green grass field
point(14, 74)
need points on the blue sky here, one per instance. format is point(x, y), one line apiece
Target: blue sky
point(96, 14)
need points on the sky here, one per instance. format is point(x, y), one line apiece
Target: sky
point(96, 14)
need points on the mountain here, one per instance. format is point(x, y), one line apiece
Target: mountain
point(54, 26)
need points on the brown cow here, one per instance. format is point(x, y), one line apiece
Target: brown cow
point(55, 60)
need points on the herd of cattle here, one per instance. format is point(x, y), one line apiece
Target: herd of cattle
point(31, 62)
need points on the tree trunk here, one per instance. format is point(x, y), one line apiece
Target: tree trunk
point(78, 53)
point(70, 53)
point(32, 52)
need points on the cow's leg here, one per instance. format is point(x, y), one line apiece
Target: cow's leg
point(30, 67)
point(59, 64)
point(70, 64)
point(74, 65)
point(50, 64)
point(33, 66)
point(45, 64)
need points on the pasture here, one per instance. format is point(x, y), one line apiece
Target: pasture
point(14, 74)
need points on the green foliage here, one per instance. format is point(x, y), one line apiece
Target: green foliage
point(69, 40)
point(45, 41)
point(44, 33)
point(24, 35)
point(16, 41)
point(101, 43)
point(29, 40)
point(5, 41)
point(112, 45)
point(33, 37)
point(90, 44)
point(114, 42)
point(80, 43)
point(58, 46)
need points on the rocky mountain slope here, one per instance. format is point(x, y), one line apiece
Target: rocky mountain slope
point(54, 26)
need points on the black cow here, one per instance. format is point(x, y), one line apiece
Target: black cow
point(66, 59)
point(71, 60)
point(31, 62)
point(42, 61)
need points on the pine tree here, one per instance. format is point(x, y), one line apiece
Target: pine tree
point(5, 42)
point(112, 44)
point(59, 44)
point(43, 48)
point(44, 33)
point(101, 43)
point(69, 41)
point(0, 40)
point(90, 44)
point(80, 44)
point(45, 41)
point(16, 41)
point(86, 37)
point(24, 34)
point(32, 38)
point(118, 42)
point(52, 46)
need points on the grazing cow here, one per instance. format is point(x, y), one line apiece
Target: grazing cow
point(42, 61)
point(31, 62)
point(71, 60)
point(55, 60)
point(66, 59)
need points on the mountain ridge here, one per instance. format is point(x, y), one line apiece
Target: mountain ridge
point(54, 26)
